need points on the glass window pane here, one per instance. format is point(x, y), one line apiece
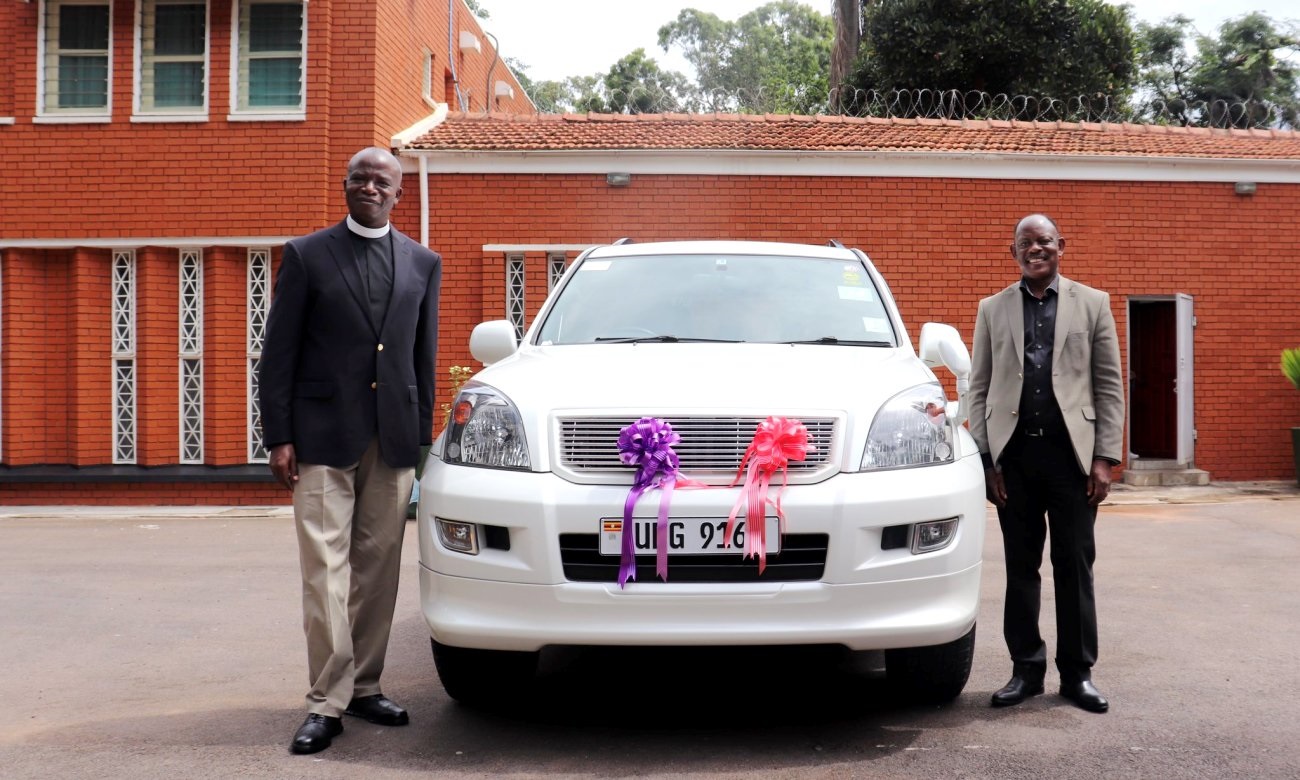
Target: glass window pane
point(178, 29)
point(83, 82)
point(83, 27)
point(274, 82)
point(177, 84)
point(275, 27)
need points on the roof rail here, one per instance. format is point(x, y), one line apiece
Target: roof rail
point(624, 240)
point(835, 242)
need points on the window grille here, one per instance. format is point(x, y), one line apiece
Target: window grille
point(555, 265)
point(191, 355)
point(173, 56)
point(123, 349)
point(515, 287)
point(75, 65)
point(272, 56)
point(259, 305)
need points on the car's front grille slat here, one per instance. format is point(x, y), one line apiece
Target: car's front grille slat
point(802, 559)
point(589, 445)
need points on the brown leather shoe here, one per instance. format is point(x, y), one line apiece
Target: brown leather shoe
point(378, 709)
point(315, 733)
point(1016, 691)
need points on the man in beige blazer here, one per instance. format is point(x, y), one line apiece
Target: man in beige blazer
point(1047, 411)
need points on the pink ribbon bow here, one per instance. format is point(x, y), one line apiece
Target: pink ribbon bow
point(777, 441)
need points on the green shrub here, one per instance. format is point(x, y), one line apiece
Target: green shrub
point(1291, 365)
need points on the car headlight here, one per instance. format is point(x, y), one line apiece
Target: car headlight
point(911, 429)
point(485, 430)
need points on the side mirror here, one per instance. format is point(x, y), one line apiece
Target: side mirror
point(492, 341)
point(942, 345)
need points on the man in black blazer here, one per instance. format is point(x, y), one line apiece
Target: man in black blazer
point(346, 393)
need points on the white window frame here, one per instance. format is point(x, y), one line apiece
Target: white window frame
point(123, 358)
point(190, 338)
point(556, 264)
point(145, 17)
point(517, 293)
point(270, 113)
point(426, 81)
point(44, 70)
point(259, 308)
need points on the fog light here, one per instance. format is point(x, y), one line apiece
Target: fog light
point(936, 535)
point(461, 537)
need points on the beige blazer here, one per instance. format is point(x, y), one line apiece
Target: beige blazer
point(1087, 377)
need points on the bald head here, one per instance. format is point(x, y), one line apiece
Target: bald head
point(1039, 220)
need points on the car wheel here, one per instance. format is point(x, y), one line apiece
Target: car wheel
point(934, 674)
point(482, 677)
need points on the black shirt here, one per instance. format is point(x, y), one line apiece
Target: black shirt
point(375, 262)
point(1038, 407)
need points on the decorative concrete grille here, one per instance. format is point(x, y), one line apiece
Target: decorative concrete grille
point(124, 391)
point(259, 305)
point(191, 355)
point(515, 287)
point(555, 265)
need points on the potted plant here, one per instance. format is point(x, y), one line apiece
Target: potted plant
point(1291, 368)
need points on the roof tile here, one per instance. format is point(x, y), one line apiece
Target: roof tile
point(576, 132)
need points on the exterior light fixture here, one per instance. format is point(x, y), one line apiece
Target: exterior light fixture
point(1244, 188)
point(618, 179)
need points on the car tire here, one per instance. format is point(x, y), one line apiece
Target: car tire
point(933, 675)
point(482, 677)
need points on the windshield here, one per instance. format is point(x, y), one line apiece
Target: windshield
point(730, 298)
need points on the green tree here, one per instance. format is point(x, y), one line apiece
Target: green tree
point(1242, 77)
point(773, 59)
point(477, 9)
point(1054, 49)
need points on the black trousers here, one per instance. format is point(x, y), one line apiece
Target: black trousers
point(1042, 477)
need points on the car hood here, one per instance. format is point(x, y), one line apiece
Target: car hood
point(759, 379)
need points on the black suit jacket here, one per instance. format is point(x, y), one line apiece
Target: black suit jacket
point(330, 378)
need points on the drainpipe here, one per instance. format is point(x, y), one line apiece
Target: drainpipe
point(424, 201)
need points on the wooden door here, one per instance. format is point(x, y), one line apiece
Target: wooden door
point(1153, 373)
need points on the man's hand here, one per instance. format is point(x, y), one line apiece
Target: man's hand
point(994, 488)
point(284, 465)
point(1099, 482)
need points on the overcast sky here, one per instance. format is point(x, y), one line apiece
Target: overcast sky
point(564, 38)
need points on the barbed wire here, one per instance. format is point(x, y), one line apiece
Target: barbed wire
point(939, 104)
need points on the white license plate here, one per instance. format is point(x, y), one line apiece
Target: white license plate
point(686, 536)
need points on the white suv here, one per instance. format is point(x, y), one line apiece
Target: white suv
point(523, 496)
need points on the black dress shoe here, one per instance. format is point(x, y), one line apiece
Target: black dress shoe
point(315, 733)
point(1086, 695)
point(1016, 691)
point(377, 709)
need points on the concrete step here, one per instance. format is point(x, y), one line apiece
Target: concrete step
point(1147, 477)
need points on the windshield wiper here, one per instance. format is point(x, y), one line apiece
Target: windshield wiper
point(664, 339)
point(841, 342)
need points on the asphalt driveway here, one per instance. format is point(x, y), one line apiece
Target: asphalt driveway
point(150, 643)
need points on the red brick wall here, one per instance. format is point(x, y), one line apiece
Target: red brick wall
point(942, 244)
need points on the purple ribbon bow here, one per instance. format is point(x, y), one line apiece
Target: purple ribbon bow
point(647, 444)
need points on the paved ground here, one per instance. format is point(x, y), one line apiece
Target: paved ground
point(150, 643)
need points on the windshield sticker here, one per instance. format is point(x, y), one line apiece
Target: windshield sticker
point(875, 325)
point(856, 294)
point(851, 276)
point(595, 265)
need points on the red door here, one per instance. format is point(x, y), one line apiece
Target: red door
point(1153, 369)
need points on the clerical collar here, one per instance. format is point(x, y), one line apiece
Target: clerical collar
point(367, 232)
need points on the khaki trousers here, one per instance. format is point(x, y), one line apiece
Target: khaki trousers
point(350, 526)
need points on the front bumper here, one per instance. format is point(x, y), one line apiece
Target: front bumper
point(867, 598)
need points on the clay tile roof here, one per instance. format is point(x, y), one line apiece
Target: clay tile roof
point(773, 132)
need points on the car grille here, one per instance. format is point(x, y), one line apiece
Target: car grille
point(589, 445)
point(802, 558)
